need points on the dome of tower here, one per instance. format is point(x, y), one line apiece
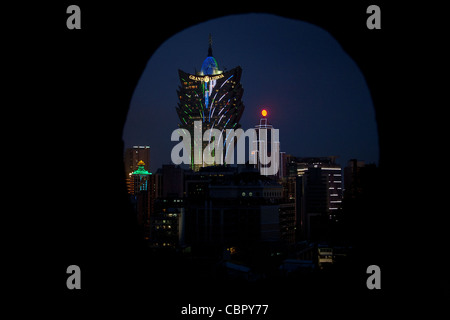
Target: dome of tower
point(209, 66)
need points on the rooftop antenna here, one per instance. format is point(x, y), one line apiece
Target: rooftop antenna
point(210, 46)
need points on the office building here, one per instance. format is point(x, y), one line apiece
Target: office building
point(167, 223)
point(318, 192)
point(141, 194)
point(135, 154)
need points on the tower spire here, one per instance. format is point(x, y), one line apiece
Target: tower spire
point(210, 46)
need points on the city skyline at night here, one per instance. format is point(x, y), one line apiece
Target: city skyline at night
point(346, 226)
point(312, 90)
point(247, 213)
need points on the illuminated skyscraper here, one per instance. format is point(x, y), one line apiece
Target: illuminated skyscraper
point(262, 147)
point(140, 178)
point(211, 98)
point(131, 159)
point(141, 196)
point(134, 155)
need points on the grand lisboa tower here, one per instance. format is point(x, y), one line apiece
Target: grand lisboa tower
point(210, 98)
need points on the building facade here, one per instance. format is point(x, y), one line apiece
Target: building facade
point(209, 99)
point(167, 223)
point(318, 192)
point(135, 154)
point(142, 197)
point(131, 160)
point(231, 207)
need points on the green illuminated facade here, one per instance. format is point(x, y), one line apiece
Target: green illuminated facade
point(140, 178)
point(141, 170)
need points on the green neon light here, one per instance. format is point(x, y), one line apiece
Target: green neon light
point(141, 171)
point(188, 114)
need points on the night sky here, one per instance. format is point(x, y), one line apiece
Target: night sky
point(314, 92)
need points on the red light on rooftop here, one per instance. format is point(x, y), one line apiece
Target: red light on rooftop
point(264, 112)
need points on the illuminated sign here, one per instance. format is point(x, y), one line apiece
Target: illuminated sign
point(205, 78)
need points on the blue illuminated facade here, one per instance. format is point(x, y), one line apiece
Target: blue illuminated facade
point(209, 67)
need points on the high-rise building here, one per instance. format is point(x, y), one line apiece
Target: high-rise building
point(267, 160)
point(134, 155)
point(210, 99)
point(352, 175)
point(232, 207)
point(140, 178)
point(131, 160)
point(289, 206)
point(141, 195)
point(318, 191)
point(167, 223)
point(329, 173)
point(172, 181)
